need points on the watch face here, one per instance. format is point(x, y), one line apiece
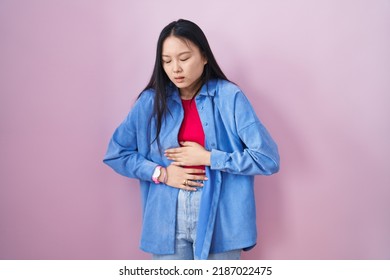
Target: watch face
point(156, 172)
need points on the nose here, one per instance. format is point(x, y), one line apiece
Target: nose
point(176, 67)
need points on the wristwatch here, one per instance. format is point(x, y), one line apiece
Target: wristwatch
point(156, 174)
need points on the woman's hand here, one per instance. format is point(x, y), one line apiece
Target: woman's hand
point(189, 154)
point(184, 178)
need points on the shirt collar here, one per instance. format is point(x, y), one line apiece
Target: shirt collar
point(208, 89)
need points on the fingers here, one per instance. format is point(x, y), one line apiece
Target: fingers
point(195, 183)
point(182, 144)
point(193, 174)
point(190, 185)
point(188, 144)
point(173, 151)
point(194, 171)
point(173, 154)
point(198, 178)
point(178, 150)
point(185, 178)
point(188, 188)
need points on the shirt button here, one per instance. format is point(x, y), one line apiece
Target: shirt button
point(206, 124)
point(212, 144)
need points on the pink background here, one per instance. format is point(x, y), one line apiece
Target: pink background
point(317, 73)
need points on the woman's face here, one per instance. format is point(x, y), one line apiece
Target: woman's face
point(183, 63)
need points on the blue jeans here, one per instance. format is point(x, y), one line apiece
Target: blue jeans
point(186, 224)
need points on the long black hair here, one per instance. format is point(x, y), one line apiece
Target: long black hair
point(159, 81)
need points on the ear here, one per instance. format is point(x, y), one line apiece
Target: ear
point(204, 59)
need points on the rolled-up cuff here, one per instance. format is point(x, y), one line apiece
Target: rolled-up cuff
point(218, 159)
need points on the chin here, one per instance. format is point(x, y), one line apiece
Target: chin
point(181, 85)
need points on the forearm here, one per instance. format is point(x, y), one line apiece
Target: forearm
point(131, 165)
point(247, 162)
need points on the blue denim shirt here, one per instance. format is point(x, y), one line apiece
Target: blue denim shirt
point(240, 148)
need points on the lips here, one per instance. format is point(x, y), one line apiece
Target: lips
point(179, 79)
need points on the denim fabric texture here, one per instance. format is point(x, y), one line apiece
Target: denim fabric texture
point(240, 147)
point(186, 226)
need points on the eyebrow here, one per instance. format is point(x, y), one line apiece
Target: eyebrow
point(178, 54)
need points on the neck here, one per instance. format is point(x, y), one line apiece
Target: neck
point(186, 95)
point(190, 92)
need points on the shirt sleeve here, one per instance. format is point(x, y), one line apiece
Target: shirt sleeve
point(259, 155)
point(123, 152)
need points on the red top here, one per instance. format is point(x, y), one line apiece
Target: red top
point(191, 128)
